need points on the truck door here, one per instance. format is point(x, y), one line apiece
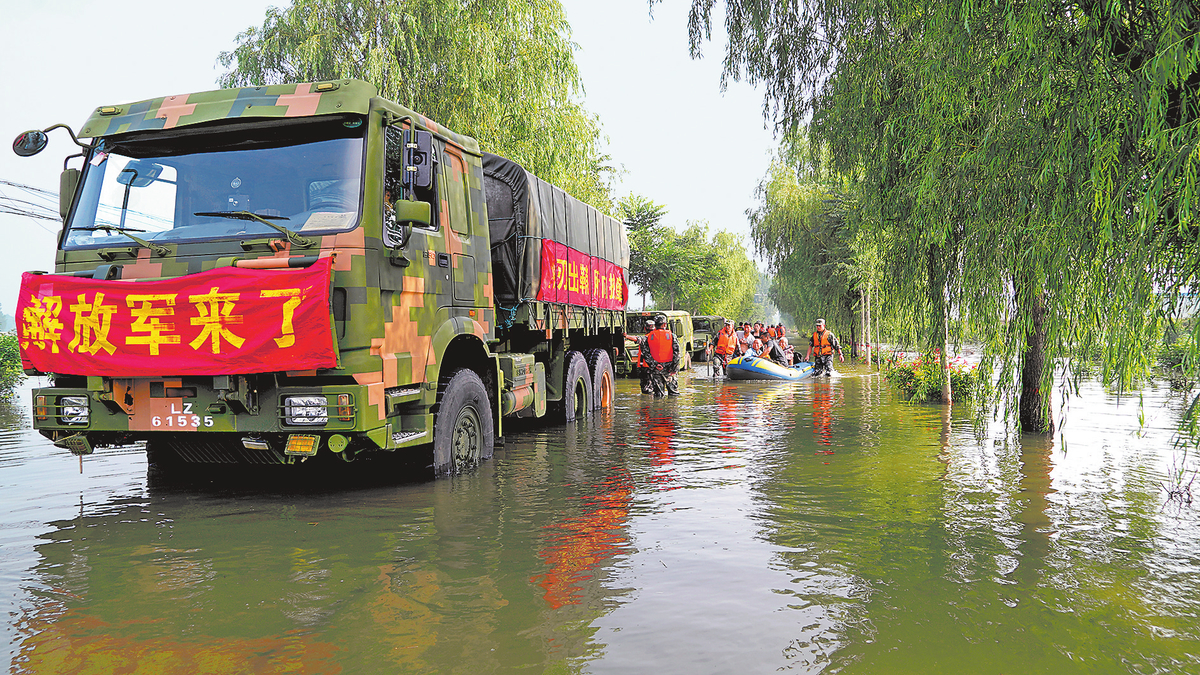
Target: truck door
point(463, 256)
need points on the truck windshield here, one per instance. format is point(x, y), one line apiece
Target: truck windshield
point(193, 183)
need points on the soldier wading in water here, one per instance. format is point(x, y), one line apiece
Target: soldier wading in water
point(644, 362)
point(820, 350)
point(663, 348)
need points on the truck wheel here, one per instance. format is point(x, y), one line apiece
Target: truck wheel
point(577, 388)
point(462, 430)
point(601, 368)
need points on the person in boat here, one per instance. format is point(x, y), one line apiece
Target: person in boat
point(821, 347)
point(756, 349)
point(774, 351)
point(789, 353)
point(644, 358)
point(725, 348)
point(664, 351)
point(744, 339)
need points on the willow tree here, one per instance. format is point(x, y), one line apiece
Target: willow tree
point(1033, 162)
point(804, 227)
point(502, 71)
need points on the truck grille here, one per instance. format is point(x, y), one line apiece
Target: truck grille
point(196, 449)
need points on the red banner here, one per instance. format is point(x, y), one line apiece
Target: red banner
point(575, 278)
point(225, 321)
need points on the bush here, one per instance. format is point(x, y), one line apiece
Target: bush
point(11, 373)
point(1171, 356)
point(920, 380)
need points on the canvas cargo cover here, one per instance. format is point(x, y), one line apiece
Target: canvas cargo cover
point(549, 246)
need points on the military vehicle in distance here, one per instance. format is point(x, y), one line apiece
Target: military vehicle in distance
point(680, 324)
point(704, 335)
point(261, 274)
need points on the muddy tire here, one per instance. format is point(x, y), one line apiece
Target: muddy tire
point(463, 433)
point(603, 377)
point(577, 389)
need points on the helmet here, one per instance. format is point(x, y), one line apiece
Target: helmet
point(650, 324)
point(661, 319)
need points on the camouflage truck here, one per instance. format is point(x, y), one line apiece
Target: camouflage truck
point(704, 335)
point(264, 274)
point(677, 320)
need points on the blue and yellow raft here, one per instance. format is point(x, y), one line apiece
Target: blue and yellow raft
point(754, 368)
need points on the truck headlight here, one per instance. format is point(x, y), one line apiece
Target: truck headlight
point(74, 409)
point(306, 410)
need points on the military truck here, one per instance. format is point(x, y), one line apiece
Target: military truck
point(262, 275)
point(678, 321)
point(704, 335)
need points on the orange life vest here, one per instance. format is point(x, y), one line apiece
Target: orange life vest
point(822, 342)
point(726, 342)
point(661, 348)
point(771, 333)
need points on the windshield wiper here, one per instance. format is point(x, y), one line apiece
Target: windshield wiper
point(160, 250)
point(297, 239)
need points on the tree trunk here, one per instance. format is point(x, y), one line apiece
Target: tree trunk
point(1034, 405)
point(873, 329)
point(643, 301)
point(853, 342)
point(940, 328)
point(867, 332)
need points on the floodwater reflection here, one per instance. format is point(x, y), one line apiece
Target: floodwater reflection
point(742, 527)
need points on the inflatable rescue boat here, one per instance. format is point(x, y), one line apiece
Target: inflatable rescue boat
point(754, 368)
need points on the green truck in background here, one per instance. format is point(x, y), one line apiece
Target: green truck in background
point(678, 321)
point(462, 288)
point(704, 335)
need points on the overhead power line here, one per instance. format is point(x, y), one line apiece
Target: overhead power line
point(36, 203)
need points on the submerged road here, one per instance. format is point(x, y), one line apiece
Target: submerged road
point(740, 528)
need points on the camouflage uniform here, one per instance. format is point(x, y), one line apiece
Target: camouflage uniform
point(663, 379)
point(644, 357)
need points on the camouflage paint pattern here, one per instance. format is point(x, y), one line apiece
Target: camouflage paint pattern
point(401, 329)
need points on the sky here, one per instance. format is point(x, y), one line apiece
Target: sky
point(665, 118)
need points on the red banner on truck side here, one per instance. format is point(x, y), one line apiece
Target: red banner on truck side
point(575, 278)
point(225, 321)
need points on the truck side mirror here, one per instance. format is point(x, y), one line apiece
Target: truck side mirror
point(68, 181)
point(399, 225)
point(418, 158)
point(413, 212)
point(30, 143)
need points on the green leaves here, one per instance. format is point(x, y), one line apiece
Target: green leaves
point(687, 270)
point(11, 373)
point(502, 71)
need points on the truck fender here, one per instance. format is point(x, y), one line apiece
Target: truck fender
point(460, 342)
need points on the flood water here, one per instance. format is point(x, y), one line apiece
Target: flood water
point(740, 528)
